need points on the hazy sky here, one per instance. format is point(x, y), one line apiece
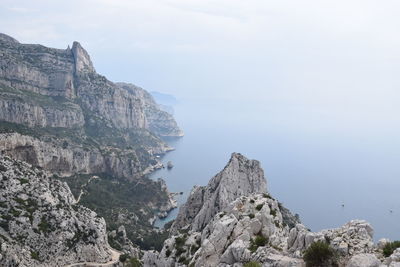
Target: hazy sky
point(329, 57)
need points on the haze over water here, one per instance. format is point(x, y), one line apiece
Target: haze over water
point(313, 161)
point(309, 88)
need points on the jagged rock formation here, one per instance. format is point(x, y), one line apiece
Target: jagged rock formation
point(352, 238)
point(240, 177)
point(40, 225)
point(58, 113)
point(255, 227)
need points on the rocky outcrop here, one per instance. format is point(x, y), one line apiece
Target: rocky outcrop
point(364, 260)
point(81, 59)
point(159, 121)
point(355, 237)
point(40, 224)
point(255, 227)
point(70, 159)
point(240, 177)
point(230, 238)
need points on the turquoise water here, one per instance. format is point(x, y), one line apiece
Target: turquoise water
point(313, 162)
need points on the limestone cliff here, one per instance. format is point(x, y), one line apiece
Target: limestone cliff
point(40, 224)
point(159, 121)
point(70, 74)
point(49, 89)
point(59, 114)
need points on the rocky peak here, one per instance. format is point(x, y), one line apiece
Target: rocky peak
point(240, 177)
point(82, 58)
point(6, 38)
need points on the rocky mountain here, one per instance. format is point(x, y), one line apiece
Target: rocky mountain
point(59, 114)
point(234, 221)
point(41, 224)
point(240, 177)
point(59, 92)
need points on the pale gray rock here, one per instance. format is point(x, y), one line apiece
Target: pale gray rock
point(355, 237)
point(59, 88)
point(158, 121)
point(382, 243)
point(40, 223)
point(81, 58)
point(394, 259)
point(363, 260)
point(240, 177)
point(51, 156)
point(225, 237)
point(21, 109)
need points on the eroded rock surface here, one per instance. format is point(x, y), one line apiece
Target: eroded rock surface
point(240, 177)
point(40, 223)
point(234, 220)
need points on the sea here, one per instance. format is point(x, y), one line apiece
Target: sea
point(328, 168)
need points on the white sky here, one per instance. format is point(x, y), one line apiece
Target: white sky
point(335, 56)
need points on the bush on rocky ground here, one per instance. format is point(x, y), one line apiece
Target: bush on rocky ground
point(320, 254)
point(390, 247)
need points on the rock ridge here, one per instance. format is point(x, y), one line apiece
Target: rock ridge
point(239, 177)
point(40, 224)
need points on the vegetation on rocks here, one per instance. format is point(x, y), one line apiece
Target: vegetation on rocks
point(258, 241)
point(390, 247)
point(252, 264)
point(320, 254)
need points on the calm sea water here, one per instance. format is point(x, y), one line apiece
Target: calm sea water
point(313, 161)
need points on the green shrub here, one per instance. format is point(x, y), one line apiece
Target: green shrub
point(44, 226)
point(251, 215)
point(133, 262)
point(259, 241)
point(390, 247)
point(182, 259)
point(167, 253)
point(265, 195)
point(35, 255)
point(193, 249)
point(24, 181)
point(252, 201)
point(252, 264)
point(123, 257)
point(272, 212)
point(320, 254)
point(259, 206)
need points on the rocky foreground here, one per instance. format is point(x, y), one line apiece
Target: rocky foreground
point(41, 224)
point(234, 221)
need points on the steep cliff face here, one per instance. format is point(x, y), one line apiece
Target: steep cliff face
point(34, 109)
point(159, 121)
point(240, 177)
point(70, 74)
point(40, 224)
point(58, 113)
point(46, 88)
point(72, 159)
